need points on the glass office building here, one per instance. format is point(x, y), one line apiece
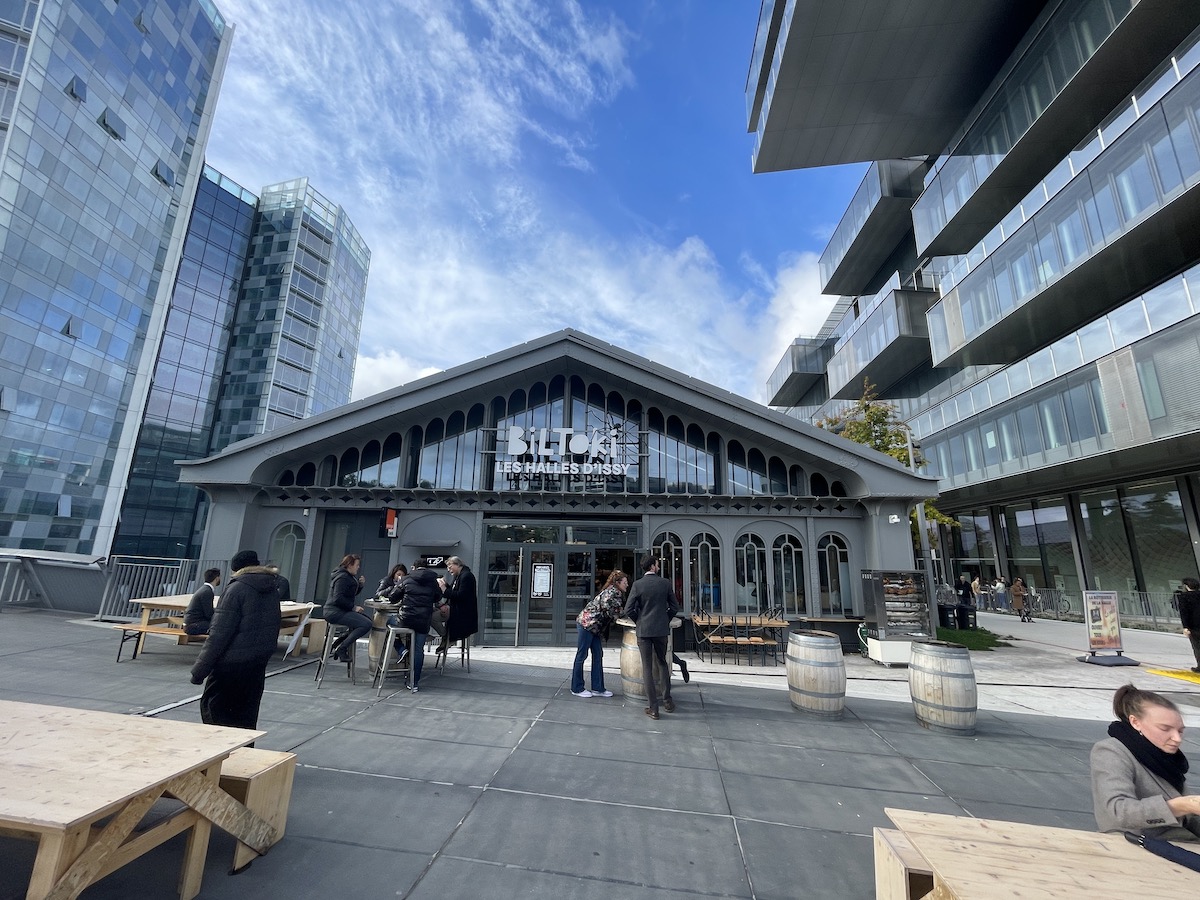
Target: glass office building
point(262, 330)
point(1033, 306)
point(105, 109)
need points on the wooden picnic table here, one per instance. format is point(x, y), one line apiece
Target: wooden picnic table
point(985, 858)
point(168, 612)
point(63, 771)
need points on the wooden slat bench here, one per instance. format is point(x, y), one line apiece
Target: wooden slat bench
point(901, 873)
point(262, 780)
point(135, 631)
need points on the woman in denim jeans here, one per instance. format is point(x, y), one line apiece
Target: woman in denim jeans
point(589, 625)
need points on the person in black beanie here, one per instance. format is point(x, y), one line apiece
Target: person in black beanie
point(245, 631)
point(1138, 772)
point(1189, 614)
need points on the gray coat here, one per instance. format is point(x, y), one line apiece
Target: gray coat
point(1126, 796)
point(652, 605)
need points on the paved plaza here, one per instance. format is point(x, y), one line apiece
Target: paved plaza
point(499, 783)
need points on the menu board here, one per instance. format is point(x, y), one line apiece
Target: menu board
point(1102, 619)
point(896, 604)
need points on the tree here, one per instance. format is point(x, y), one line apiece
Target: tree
point(877, 424)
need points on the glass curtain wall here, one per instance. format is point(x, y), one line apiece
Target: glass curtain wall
point(1106, 541)
point(1154, 512)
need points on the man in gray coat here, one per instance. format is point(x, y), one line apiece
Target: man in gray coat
point(652, 606)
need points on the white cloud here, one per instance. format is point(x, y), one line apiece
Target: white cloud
point(420, 118)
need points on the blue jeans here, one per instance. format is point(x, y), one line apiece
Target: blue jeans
point(588, 642)
point(418, 649)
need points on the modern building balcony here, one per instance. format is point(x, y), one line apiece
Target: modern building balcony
point(1128, 220)
point(1085, 60)
point(877, 219)
point(834, 83)
point(887, 342)
point(802, 366)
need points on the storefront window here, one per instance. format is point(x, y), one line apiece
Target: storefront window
point(833, 560)
point(704, 572)
point(669, 549)
point(1155, 515)
point(1054, 534)
point(787, 558)
point(1106, 541)
point(750, 560)
point(1021, 544)
point(287, 551)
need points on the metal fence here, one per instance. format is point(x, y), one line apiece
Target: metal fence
point(137, 577)
point(1157, 610)
point(15, 587)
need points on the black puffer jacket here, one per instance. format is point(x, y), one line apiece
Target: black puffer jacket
point(245, 625)
point(343, 588)
point(417, 592)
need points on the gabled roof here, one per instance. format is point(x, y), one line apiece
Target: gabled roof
point(257, 460)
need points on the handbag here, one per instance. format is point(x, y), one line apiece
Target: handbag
point(442, 611)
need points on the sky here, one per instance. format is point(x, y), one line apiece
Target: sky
point(522, 166)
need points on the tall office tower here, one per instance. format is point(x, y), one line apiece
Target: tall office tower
point(1019, 271)
point(295, 336)
point(105, 109)
point(290, 270)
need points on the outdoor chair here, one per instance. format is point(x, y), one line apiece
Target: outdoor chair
point(331, 635)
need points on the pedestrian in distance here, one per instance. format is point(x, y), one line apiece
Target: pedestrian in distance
point(1020, 600)
point(232, 665)
point(1189, 616)
point(652, 606)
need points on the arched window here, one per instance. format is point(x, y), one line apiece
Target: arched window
point(750, 562)
point(669, 549)
point(820, 487)
point(833, 564)
point(389, 468)
point(797, 482)
point(777, 472)
point(307, 476)
point(787, 563)
point(737, 475)
point(368, 465)
point(837, 489)
point(348, 469)
point(704, 572)
point(287, 551)
point(329, 471)
point(757, 464)
point(287, 478)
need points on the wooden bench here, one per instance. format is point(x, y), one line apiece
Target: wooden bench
point(262, 781)
point(901, 873)
point(135, 631)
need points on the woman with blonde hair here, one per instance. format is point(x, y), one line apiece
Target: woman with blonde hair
point(1138, 771)
point(599, 612)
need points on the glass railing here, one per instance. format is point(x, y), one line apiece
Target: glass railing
point(1150, 313)
point(1152, 163)
point(865, 199)
point(785, 27)
point(1053, 58)
point(893, 314)
point(806, 356)
point(760, 48)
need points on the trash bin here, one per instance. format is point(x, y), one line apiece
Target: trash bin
point(946, 616)
point(966, 616)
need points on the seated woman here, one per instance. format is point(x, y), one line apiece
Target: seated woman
point(393, 578)
point(197, 618)
point(340, 608)
point(1138, 772)
point(461, 595)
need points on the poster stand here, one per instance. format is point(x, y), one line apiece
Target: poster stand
point(1102, 619)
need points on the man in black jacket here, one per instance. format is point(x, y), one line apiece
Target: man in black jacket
point(416, 593)
point(1189, 615)
point(244, 633)
point(652, 606)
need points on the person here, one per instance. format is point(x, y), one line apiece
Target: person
point(416, 593)
point(340, 609)
point(232, 665)
point(1019, 592)
point(1138, 771)
point(1000, 592)
point(966, 592)
point(389, 581)
point(463, 596)
point(197, 618)
point(596, 614)
point(285, 586)
point(977, 590)
point(652, 606)
point(1189, 615)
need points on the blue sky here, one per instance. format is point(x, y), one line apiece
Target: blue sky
point(518, 167)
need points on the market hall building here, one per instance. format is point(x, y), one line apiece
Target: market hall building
point(546, 466)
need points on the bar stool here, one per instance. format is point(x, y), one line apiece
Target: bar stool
point(332, 633)
point(404, 666)
point(464, 656)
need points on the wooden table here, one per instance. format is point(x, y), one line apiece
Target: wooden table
point(63, 770)
point(984, 858)
point(170, 610)
point(739, 631)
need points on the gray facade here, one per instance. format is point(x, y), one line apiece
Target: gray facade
point(105, 114)
point(1036, 317)
point(565, 458)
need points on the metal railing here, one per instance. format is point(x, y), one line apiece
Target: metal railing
point(137, 577)
point(1156, 610)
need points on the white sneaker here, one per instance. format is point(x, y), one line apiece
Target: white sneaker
point(583, 693)
point(601, 693)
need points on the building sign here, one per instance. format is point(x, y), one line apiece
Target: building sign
point(542, 587)
point(566, 455)
point(1102, 619)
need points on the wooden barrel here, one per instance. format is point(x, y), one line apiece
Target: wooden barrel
point(816, 673)
point(632, 684)
point(941, 681)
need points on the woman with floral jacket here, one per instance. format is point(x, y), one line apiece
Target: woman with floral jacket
point(600, 611)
